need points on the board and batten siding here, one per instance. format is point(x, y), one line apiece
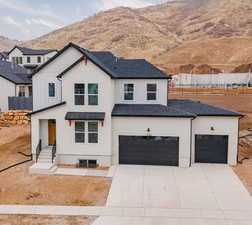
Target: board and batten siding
point(174, 127)
point(221, 126)
point(48, 75)
point(140, 91)
point(7, 90)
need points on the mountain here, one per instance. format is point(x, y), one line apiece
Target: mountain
point(160, 33)
point(6, 44)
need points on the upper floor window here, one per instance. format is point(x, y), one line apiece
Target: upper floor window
point(28, 59)
point(79, 94)
point(21, 92)
point(20, 60)
point(151, 91)
point(128, 91)
point(92, 94)
point(39, 59)
point(51, 89)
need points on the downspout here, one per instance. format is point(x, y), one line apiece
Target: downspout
point(191, 141)
point(60, 80)
point(237, 156)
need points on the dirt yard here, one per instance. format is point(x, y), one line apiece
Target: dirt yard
point(45, 220)
point(17, 187)
point(242, 104)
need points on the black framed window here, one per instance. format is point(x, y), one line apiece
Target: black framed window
point(79, 94)
point(39, 59)
point(151, 91)
point(51, 89)
point(92, 132)
point(92, 94)
point(79, 132)
point(21, 92)
point(128, 91)
point(28, 59)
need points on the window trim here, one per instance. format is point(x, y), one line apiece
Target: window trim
point(151, 92)
point(133, 92)
point(93, 94)
point(86, 132)
point(80, 132)
point(84, 94)
point(49, 90)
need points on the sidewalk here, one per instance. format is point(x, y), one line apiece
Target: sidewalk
point(126, 212)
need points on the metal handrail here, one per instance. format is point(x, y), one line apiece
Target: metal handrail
point(54, 149)
point(38, 150)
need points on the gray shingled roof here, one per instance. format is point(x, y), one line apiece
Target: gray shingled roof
point(129, 68)
point(148, 110)
point(29, 51)
point(14, 73)
point(200, 109)
point(116, 68)
point(85, 116)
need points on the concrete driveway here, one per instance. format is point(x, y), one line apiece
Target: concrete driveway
point(203, 186)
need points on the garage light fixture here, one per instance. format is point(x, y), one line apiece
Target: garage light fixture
point(212, 128)
point(148, 132)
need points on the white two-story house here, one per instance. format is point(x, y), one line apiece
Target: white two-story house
point(30, 58)
point(91, 108)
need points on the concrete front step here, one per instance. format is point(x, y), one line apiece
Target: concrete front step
point(42, 168)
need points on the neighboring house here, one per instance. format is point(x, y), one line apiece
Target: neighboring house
point(3, 56)
point(93, 108)
point(30, 58)
point(14, 81)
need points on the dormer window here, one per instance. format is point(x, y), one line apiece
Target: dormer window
point(151, 92)
point(128, 91)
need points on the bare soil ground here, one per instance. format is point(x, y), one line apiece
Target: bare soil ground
point(242, 104)
point(18, 187)
point(44, 220)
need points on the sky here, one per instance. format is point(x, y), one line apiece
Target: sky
point(29, 19)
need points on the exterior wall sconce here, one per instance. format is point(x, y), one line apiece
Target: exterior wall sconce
point(212, 128)
point(148, 132)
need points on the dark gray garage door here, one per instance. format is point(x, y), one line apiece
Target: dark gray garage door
point(211, 148)
point(149, 150)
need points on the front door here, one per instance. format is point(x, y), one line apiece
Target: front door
point(51, 132)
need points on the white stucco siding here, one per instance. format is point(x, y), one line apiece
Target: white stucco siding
point(67, 150)
point(49, 75)
point(140, 91)
point(175, 127)
point(33, 58)
point(15, 53)
point(7, 90)
point(222, 126)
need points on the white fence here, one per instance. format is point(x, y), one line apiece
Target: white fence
point(221, 80)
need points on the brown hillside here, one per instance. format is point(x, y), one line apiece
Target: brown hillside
point(161, 33)
point(245, 68)
point(6, 44)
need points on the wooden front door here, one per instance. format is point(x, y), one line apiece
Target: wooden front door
point(51, 132)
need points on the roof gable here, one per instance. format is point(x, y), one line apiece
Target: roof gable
point(118, 68)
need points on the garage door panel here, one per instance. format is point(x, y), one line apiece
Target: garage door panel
point(211, 148)
point(144, 150)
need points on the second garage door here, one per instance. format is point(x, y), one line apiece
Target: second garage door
point(149, 150)
point(211, 148)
